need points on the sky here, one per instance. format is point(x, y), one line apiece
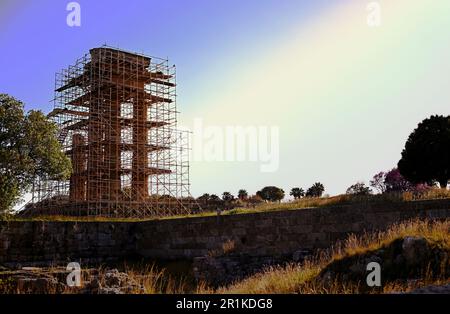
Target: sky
point(333, 96)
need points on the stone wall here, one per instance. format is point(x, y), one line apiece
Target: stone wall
point(222, 270)
point(42, 243)
point(277, 233)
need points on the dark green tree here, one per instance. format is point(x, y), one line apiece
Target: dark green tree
point(316, 190)
point(242, 194)
point(29, 149)
point(426, 156)
point(271, 193)
point(359, 188)
point(227, 197)
point(204, 198)
point(297, 193)
point(214, 198)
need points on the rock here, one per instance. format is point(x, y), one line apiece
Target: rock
point(115, 290)
point(42, 285)
point(111, 282)
point(47, 281)
point(444, 289)
point(357, 268)
point(222, 270)
point(31, 268)
point(116, 282)
point(401, 259)
point(300, 255)
point(113, 278)
point(415, 249)
point(92, 287)
point(327, 277)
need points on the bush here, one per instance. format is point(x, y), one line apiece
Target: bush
point(316, 190)
point(359, 188)
point(271, 193)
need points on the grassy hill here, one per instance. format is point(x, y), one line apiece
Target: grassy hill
point(425, 261)
point(338, 200)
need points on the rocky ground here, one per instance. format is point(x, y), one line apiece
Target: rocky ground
point(444, 289)
point(415, 262)
point(409, 260)
point(32, 280)
point(402, 259)
point(225, 269)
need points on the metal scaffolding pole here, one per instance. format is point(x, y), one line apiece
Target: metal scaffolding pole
point(117, 118)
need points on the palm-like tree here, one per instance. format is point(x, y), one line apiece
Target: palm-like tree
point(242, 194)
point(227, 197)
point(297, 193)
point(316, 190)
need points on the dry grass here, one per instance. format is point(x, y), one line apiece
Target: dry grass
point(146, 279)
point(302, 278)
point(303, 203)
point(344, 199)
point(429, 194)
point(156, 281)
point(299, 278)
point(275, 280)
point(297, 204)
point(435, 231)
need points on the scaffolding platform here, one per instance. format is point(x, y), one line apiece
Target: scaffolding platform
point(117, 118)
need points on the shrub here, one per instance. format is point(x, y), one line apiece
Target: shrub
point(271, 193)
point(359, 188)
point(316, 190)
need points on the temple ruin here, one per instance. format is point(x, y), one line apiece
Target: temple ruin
point(117, 118)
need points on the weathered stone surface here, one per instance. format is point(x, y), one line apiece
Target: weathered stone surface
point(415, 249)
point(112, 282)
point(278, 233)
point(34, 280)
point(222, 270)
point(444, 289)
point(402, 259)
point(300, 255)
point(39, 285)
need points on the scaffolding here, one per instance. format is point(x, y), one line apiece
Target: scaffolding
point(117, 117)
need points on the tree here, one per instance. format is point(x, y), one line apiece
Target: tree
point(297, 193)
point(359, 188)
point(316, 190)
point(204, 198)
point(242, 194)
point(214, 198)
point(29, 149)
point(377, 182)
point(271, 193)
point(395, 182)
point(391, 181)
point(254, 200)
point(227, 197)
point(426, 156)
